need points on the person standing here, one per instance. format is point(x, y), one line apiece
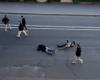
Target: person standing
point(23, 21)
point(21, 30)
point(5, 21)
point(78, 55)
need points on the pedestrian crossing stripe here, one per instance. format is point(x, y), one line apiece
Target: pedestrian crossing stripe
point(52, 27)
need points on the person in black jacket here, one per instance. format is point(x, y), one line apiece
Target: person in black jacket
point(20, 30)
point(23, 21)
point(78, 55)
point(5, 21)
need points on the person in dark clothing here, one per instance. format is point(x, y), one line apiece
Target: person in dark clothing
point(5, 21)
point(43, 48)
point(20, 30)
point(78, 55)
point(23, 21)
point(66, 45)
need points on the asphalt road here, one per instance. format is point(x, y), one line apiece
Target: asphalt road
point(52, 20)
point(19, 58)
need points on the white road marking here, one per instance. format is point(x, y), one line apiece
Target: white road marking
point(51, 27)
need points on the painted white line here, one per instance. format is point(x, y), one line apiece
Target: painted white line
point(68, 29)
point(59, 29)
point(50, 27)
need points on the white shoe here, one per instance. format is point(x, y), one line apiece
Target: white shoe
point(18, 36)
point(74, 62)
point(5, 30)
point(81, 61)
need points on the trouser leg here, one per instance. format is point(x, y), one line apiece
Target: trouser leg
point(75, 59)
point(9, 26)
point(81, 60)
point(50, 51)
point(19, 33)
point(25, 33)
point(5, 27)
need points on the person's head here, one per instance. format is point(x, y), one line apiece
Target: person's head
point(21, 16)
point(67, 41)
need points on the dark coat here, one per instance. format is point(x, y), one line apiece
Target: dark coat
point(20, 27)
point(23, 22)
point(78, 52)
point(5, 20)
point(41, 47)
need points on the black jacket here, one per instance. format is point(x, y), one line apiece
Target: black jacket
point(23, 22)
point(20, 27)
point(5, 20)
point(41, 47)
point(78, 52)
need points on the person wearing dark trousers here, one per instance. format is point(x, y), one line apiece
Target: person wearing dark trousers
point(23, 21)
point(21, 30)
point(77, 57)
point(5, 21)
point(43, 48)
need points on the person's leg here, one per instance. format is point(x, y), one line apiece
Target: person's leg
point(25, 33)
point(75, 59)
point(5, 27)
point(9, 26)
point(81, 60)
point(60, 46)
point(50, 51)
point(19, 33)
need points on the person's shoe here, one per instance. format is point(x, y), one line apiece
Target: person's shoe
point(81, 61)
point(74, 62)
point(5, 30)
point(18, 36)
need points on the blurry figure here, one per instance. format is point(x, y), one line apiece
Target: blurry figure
point(66, 45)
point(73, 44)
point(45, 49)
point(63, 45)
point(5, 21)
point(23, 21)
point(21, 30)
point(77, 57)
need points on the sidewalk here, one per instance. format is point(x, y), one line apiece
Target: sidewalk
point(49, 9)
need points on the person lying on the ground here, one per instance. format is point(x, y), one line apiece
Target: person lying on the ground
point(45, 49)
point(66, 45)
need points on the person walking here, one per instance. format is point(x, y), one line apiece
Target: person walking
point(21, 30)
point(78, 55)
point(5, 21)
point(23, 21)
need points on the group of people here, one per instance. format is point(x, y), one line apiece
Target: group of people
point(77, 58)
point(21, 28)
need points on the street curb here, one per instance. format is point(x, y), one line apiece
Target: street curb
point(53, 14)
